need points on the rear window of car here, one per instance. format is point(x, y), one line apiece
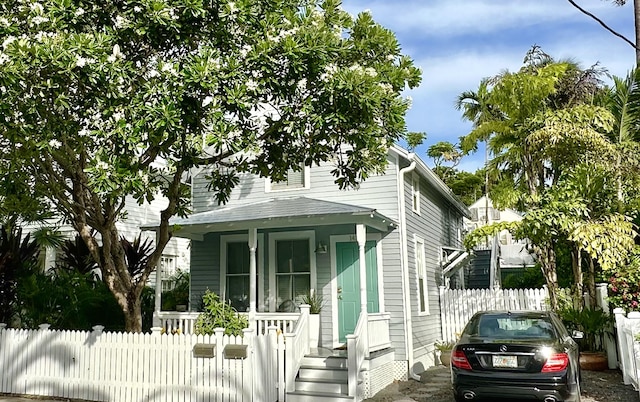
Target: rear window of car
point(511, 326)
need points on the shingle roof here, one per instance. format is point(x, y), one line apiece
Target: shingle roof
point(278, 212)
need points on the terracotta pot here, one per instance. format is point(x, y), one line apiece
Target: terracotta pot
point(593, 361)
point(445, 357)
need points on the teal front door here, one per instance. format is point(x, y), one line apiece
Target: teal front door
point(348, 272)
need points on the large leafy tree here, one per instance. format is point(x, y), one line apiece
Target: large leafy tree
point(100, 101)
point(545, 127)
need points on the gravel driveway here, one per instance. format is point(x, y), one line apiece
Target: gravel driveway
point(435, 386)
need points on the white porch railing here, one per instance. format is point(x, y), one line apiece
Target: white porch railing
point(378, 331)
point(174, 322)
point(296, 346)
point(357, 352)
point(284, 321)
point(627, 329)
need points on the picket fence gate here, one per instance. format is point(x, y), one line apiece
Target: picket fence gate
point(458, 305)
point(106, 366)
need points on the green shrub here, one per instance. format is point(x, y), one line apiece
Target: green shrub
point(595, 324)
point(218, 314)
point(180, 292)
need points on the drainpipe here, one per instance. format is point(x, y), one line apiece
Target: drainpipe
point(404, 265)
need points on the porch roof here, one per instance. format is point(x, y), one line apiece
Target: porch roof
point(276, 213)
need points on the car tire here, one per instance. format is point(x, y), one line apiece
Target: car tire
point(458, 398)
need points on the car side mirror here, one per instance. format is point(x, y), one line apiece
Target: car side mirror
point(577, 335)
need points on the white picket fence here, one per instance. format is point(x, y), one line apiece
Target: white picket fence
point(458, 305)
point(627, 328)
point(104, 366)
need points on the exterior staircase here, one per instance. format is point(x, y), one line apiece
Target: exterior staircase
point(323, 377)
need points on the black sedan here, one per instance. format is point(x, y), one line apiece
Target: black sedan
point(523, 355)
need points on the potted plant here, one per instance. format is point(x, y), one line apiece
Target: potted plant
point(445, 348)
point(315, 302)
point(596, 325)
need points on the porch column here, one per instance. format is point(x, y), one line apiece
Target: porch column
point(253, 245)
point(158, 290)
point(361, 237)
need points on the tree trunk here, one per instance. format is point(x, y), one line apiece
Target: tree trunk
point(576, 263)
point(548, 262)
point(133, 315)
point(592, 283)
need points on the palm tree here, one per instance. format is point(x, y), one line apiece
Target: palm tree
point(623, 101)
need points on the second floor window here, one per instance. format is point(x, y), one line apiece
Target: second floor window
point(415, 193)
point(294, 180)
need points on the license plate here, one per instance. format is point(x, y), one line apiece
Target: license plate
point(505, 361)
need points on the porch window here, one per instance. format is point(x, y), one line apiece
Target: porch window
point(293, 272)
point(423, 290)
point(168, 269)
point(237, 286)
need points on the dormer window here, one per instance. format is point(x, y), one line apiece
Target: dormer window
point(294, 180)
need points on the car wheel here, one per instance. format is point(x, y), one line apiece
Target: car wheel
point(459, 398)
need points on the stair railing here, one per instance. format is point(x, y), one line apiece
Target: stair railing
point(296, 347)
point(357, 352)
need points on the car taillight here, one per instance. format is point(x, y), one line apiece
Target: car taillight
point(556, 362)
point(459, 360)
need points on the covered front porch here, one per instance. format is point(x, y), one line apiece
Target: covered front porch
point(264, 258)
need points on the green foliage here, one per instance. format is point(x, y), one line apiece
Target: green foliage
point(414, 139)
point(444, 151)
point(100, 103)
point(593, 322)
point(314, 300)
point(218, 314)
point(481, 234)
point(18, 258)
point(68, 299)
point(624, 285)
point(526, 278)
point(179, 295)
point(444, 346)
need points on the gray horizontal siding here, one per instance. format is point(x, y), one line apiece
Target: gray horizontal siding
point(378, 191)
point(437, 225)
point(205, 268)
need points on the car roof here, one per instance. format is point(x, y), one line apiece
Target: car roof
point(535, 313)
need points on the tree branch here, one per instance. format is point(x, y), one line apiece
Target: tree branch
point(604, 25)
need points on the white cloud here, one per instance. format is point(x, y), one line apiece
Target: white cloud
point(457, 18)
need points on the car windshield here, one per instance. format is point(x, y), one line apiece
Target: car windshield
point(511, 326)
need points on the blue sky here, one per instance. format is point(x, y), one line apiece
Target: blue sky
point(458, 42)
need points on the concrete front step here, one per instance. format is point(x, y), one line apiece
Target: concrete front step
point(322, 373)
point(323, 386)
point(325, 361)
point(304, 396)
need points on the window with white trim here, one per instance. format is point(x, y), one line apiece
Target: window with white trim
point(237, 275)
point(293, 272)
point(421, 268)
point(294, 180)
point(168, 269)
point(415, 193)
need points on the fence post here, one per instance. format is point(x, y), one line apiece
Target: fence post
point(610, 341)
point(3, 326)
point(622, 343)
point(281, 368)
point(248, 338)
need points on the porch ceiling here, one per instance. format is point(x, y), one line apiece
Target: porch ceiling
point(276, 213)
